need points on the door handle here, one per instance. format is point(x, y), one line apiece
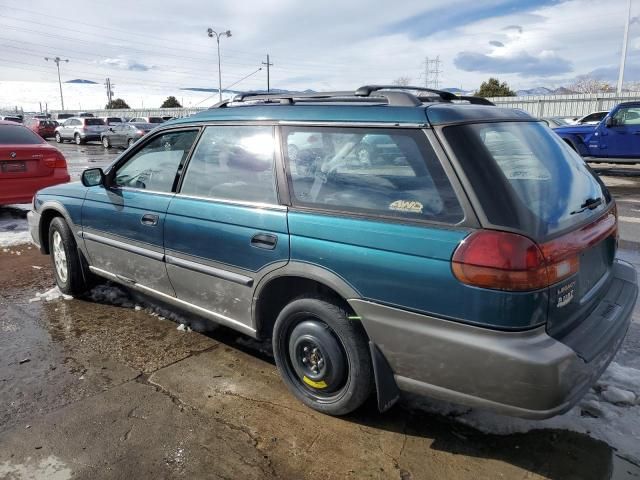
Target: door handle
point(149, 219)
point(264, 240)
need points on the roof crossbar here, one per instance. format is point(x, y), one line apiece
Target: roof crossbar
point(393, 95)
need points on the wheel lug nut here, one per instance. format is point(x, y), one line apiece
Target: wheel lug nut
point(305, 349)
point(304, 360)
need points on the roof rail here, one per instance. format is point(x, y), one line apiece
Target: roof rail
point(394, 95)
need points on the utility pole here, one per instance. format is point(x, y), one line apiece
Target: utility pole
point(623, 57)
point(57, 61)
point(432, 72)
point(212, 33)
point(268, 65)
point(109, 86)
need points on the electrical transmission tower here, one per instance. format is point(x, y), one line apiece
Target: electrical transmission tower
point(109, 86)
point(432, 72)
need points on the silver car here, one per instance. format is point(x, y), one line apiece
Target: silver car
point(80, 130)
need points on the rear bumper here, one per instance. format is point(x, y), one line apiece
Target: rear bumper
point(22, 190)
point(90, 136)
point(525, 374)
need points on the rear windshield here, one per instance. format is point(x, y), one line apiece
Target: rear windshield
point(526, 177)
point(47, 123)
point(18, 135)
point(155, 120)
point(93, 121)
point(114, 120)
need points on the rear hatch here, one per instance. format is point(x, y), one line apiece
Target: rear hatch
point(94, 125)
point(527, 181)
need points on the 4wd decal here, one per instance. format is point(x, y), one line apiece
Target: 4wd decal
point(565, 294)
point(406, 206)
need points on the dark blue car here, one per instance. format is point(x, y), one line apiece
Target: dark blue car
point(475, 262)
point(615, 139)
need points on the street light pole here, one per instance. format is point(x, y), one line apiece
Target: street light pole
point(623, 58)
point(57, 61)
point(212, 33)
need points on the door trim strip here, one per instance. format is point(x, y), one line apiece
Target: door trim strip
point(216, 317)
point(145, 252)
point(207, 270)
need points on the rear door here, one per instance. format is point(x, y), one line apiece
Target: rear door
point(225, 228)
point(123, 226)
point(623, 137)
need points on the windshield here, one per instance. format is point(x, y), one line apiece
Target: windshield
point(526, 177)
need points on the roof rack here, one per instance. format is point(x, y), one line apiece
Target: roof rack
point(393, 95)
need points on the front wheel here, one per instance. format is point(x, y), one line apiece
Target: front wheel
point(323, 355)
point(65, 258)
point(105, 142)
point(58, 137)
point(130, 142)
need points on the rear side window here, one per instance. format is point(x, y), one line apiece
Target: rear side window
point(387, 172)
point(526, 177)
point(18, 135)
point(93, 121)
point(233, 163)
point(155, 120)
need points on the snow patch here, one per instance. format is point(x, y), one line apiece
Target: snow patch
point(184, 328)
point(606, 413)
point(14, 229)
point(49, 295)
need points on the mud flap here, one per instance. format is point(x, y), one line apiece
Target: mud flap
point(386, 388)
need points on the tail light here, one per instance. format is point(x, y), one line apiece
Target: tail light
point(55, 161)
point(508, 261)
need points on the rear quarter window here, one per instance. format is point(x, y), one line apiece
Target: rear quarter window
point(383, 172)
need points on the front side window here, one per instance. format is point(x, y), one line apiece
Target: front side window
point(233, 163)
point(627, 116)
point(388, 172)
point(155, 165)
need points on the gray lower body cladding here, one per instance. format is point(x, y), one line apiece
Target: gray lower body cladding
point(526, 374)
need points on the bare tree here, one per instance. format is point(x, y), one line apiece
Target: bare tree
point(632, 86)
point(402, 81)
point(589, 84)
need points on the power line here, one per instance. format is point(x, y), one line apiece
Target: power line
point(268, 65)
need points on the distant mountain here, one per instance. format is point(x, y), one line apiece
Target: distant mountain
point(80, 80)
point(453, 90)
point(534, 91)
point(215, 90)
point(563, 91)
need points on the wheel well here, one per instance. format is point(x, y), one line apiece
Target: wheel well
point(282, 290)
point(45, 220)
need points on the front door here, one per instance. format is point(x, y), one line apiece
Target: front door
point(623, 137)
point(225, 229)
point(123, 225)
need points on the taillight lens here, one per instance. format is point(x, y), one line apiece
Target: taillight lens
point(55, 161)
point(508, 261)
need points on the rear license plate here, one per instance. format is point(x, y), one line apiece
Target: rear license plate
point(13, 167)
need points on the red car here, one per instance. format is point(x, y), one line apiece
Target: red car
point(43, 127)
point(27, 164)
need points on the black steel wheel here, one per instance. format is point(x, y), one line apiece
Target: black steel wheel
point(323, 355)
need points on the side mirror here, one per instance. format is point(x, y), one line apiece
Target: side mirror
point(609, 122)
point(93, 177)
point(111, 129)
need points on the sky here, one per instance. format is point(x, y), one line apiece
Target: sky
point(328, 45)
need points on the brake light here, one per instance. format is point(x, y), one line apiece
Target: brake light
point(508, 261)
point(55, 161)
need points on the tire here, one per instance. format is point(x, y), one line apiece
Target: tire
point(316, 332)
point(59, 138)
point(77, 139)
point(130, 142)
point(105, 142)
point(65, 259)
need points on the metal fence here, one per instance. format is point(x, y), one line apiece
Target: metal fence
point(566, 105)
point(137, 112)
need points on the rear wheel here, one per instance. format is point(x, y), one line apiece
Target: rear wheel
point(105, 142)
point(130, 142)
point(65, 259)
point(322, 355)
point(77, 139)
point(58, 137)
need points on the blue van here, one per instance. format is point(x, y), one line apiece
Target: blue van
point(387, 240)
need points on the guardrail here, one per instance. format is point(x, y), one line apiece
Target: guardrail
point(575, 105)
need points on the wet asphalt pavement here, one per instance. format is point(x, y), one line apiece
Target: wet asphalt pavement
point(107, 387)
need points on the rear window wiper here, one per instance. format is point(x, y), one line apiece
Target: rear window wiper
point(589, 204)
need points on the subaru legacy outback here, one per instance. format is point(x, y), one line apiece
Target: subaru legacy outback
point(471, 257)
